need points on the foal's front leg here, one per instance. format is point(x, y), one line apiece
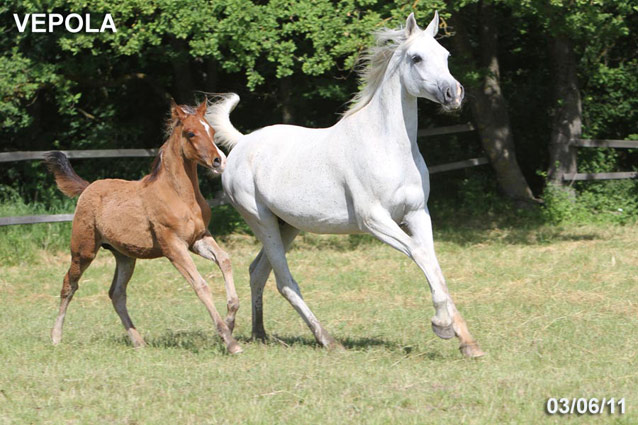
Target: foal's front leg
point(177, 252)
point(207, 247)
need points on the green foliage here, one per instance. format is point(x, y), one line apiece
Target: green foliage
point(560, 205)
point(23, 244)
point(110, 90)
point(226, 220)
point(590, 202)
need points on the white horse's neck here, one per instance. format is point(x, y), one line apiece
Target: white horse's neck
point(394, 110)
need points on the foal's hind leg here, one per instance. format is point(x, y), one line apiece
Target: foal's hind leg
point(123, 271)
point(208, 248)
point(177, 253)
point(83, 250)
point(259, 271)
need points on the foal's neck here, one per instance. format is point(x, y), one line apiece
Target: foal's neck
point(179, 172)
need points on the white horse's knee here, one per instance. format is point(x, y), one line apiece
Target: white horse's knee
point(289, 290)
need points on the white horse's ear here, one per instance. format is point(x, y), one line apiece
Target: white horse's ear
point(433, 27)
point(410, 26)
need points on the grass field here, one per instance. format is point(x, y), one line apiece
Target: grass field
point(556, 309)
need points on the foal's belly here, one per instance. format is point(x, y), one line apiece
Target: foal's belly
point(124, 225)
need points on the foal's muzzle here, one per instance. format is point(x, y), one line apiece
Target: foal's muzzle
point(218, 165)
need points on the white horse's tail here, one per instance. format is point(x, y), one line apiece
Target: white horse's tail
point(218, 116)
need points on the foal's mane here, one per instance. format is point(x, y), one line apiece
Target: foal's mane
point(373, 64)
point(169, 128)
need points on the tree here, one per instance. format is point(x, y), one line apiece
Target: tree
point(578, 34)
point(487, 100)
point(567, 122)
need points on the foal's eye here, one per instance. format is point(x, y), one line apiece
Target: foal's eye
point(190, 134)
point(416, 59)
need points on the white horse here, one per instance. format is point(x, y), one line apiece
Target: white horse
point(363, 174)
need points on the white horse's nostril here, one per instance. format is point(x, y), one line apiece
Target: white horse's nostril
point(459, 89)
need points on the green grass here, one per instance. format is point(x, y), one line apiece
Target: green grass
point(556, 309)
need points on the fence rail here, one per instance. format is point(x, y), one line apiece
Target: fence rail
point(450, 129)
point(94, 153)
point(602, 143)
point(220, 198)
point(605, 143)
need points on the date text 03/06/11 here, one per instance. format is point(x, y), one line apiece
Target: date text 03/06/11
point(582, 406)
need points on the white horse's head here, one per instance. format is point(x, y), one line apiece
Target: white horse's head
point(423, 66)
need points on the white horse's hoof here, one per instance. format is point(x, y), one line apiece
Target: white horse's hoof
point(471, 351)
point(443, 332)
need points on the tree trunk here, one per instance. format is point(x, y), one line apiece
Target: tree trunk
point(211, 76)
point(183, 75)
point(489, 108)
point(567, 120)
point(285, 92)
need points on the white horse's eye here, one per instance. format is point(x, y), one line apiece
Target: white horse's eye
point(416, 59)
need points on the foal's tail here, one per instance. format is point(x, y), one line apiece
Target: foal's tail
point(218, 116)
point(65, 177)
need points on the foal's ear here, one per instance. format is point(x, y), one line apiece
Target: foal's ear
point(433, 27)
point(410, 26)
point(201, 109)
point(177, 112)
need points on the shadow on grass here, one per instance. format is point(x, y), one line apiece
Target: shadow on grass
point(350, 344)
point(193, 341)
point(466, 235)
point(199, 341)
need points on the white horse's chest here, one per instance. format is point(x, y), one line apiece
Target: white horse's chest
point(398, 181)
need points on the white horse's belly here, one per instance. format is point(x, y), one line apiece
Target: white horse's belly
point(312, 217)
point(307, 203)
point(259, 174)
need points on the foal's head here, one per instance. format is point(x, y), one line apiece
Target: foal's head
point(196, 137)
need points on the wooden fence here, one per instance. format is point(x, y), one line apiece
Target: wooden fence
point(602, 143)
point(220, 198)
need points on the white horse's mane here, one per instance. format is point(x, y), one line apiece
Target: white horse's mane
point(373, 64)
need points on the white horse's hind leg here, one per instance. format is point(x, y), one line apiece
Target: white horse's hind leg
point(447, 321)
point(259, 272)
point(267, 231)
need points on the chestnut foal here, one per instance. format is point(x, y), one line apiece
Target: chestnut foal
point(162, 215)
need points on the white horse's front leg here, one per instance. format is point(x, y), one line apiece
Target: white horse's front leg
point(420, 227)
point(447, 321)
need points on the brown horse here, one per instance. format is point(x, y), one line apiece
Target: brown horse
point(162, 215)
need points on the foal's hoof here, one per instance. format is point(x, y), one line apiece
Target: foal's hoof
point(139, 344)
point(471, 351)
point(335, 347)
point(444, 332)
point(234, 348)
